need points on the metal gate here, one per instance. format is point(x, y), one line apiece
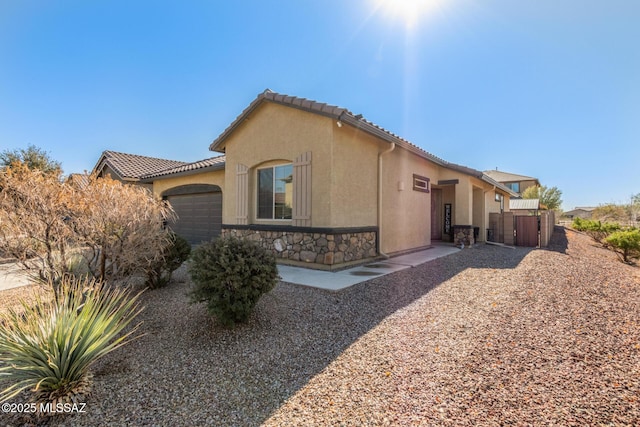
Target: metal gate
point(526, 230)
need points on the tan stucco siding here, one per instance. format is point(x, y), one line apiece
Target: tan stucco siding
point(354, 180)
point(211, 178)
point(406, 213)
point(478, 208)
point(526, 184)
point(278, 134)
point(484, 204)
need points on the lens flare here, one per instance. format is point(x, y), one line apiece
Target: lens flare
point(408, 11)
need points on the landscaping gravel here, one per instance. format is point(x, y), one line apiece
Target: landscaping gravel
point(487, 336)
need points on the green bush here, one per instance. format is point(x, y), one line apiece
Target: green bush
point(175, 254)
point(599, 231)
point(230, 276)
point(625, 243)
point(48, 347)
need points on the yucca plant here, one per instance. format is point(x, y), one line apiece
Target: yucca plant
point(49, 346)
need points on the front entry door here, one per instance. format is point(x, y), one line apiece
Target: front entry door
point(436, 214)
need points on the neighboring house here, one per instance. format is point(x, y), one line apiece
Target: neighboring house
point(195, 193)
point(583, 213)
point(130, 168)
point(199, 206)
point(516, 183)
point(320, 186)
point(80, 180)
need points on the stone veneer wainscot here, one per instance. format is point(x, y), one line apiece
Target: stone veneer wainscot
point(322, 246)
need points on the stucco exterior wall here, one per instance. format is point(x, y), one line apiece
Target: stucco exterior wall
point(277, 134)
point(526, 184)
point(479, 214)
point(354, 178)
point(484, 204)
point(211, 177)
point(406, 213)
point(491, 206)
point(344, 181)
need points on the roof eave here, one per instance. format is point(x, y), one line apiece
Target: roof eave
point(114, 171)
point(152, 177)
point(218, 143)
point(502, 187)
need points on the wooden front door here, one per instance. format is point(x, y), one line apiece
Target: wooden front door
point(436, 214)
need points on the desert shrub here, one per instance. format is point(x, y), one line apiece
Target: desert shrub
point(611, 213)
point(49, 347)
point(625, 243)
point(44, 222)
point(121, 225)
point(34, 227)
point(175, 254)
point(578, 224)
point(230, 276)
point(598, 230)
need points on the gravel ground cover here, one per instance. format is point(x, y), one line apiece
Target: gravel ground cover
point(486, 336)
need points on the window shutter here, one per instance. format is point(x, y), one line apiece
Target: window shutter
point(242, 194)
point(301, 214)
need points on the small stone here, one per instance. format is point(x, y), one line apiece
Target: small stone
point(307, 256)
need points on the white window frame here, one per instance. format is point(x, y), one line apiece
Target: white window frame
point(273, 201)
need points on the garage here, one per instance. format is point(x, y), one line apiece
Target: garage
point(199, 210)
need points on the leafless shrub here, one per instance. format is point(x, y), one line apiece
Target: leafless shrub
point(115, 229)
point(34, 228)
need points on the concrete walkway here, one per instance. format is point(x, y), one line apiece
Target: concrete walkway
point(336, 280)
point(12, 277)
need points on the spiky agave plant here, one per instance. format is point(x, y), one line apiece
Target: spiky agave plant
point(49, 346)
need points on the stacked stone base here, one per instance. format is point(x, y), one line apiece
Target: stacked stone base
point(463, 235)
point(323, 247)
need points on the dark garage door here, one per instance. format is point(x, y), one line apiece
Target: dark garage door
point(199, 213)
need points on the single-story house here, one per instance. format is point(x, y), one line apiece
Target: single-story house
point(321, 186)
point(129, 168)
point(579, 212)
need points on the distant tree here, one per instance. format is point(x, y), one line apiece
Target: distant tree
point(610, 213)
point(634, 207)
point(550, 197)
point(32, 157)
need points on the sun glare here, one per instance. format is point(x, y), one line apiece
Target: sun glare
point(408, 11)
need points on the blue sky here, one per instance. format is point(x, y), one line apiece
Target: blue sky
point(544, 88)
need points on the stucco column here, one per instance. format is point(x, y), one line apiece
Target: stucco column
point(463, 219)
point(464, 203)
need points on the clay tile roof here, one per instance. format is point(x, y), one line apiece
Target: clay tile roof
point(79, 179)
point(132, 166)
point(211, 163)
point(343, 115)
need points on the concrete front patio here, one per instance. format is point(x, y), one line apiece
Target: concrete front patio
point(337, 280)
